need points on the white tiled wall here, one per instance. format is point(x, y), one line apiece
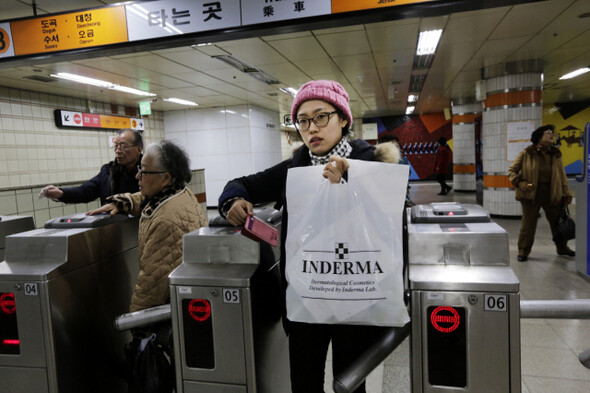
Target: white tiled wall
point(227, 142)
point(35, 152)
point(494, 124)
point(464, 146)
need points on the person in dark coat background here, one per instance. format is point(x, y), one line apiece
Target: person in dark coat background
point(444, 158)
point(540, 181)
point(323, 117)
point(115, 177)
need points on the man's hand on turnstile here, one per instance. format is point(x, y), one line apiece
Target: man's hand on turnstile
point(110, 208)
point(239, 211)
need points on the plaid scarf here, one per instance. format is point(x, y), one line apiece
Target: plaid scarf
point(123, 201)
point(149, 205)
point(342, 149)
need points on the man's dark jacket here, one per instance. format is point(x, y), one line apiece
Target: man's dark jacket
point(111, 179)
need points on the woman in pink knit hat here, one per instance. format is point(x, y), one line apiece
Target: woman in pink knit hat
point(323, 118)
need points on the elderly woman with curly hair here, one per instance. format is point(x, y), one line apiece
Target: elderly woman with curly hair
point(168, 210)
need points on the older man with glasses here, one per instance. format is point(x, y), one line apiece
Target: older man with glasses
point(115, 177)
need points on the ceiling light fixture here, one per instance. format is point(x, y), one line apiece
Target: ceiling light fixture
point(81, 79)
point(247, 69)
point(410, 110)
point(100, 83)
point(289, 90)
point(575, 73)
point(131, 90)
point(428, 41)
point(413, 97)
point(181, 102)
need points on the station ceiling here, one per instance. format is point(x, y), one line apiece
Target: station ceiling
point(374, 60)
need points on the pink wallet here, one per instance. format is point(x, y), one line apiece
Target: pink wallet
point(259, 230)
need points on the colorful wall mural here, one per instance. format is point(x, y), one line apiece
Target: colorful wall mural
point(569, 120)
point(418, 135)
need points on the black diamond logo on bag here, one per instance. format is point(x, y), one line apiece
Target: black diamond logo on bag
point(341, 250)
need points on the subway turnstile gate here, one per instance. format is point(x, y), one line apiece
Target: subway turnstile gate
point(228, 337)
point(464, 302)
point(13, 224)
point(61, 288)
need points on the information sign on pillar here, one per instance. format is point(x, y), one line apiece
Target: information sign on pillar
point(264, 11)
point(6, 46)
point(152, 19)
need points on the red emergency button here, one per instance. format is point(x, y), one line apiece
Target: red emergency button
point(199, 309)
point(445, 319)
point(7, 303)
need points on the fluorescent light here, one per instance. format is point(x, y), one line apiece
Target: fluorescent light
point(100, 83)
point(413, 97)
point(428, 41)
point(288, 90)
point(181, 102)
point(236, 63)
point(575, 73)
point(131, 90)
point(247, 69)
point(410, 110)
point(81, 79)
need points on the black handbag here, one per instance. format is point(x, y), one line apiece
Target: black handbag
point(147, 368)
point(565, 229)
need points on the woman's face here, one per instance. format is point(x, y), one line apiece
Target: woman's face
point(547, 138)
point(151, 178)
point(320, 140)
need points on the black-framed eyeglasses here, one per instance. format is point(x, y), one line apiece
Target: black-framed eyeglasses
point(141, 173)
point(118, 146)
point(319, 119)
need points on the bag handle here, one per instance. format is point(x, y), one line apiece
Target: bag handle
point(565, 211)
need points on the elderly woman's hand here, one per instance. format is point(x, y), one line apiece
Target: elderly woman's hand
point(109, 207)
point(239, 211)
point(334, 170)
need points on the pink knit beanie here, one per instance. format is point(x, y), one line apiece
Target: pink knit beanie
point(328, 91)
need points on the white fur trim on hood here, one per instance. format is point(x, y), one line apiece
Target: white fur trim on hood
point(388, 152)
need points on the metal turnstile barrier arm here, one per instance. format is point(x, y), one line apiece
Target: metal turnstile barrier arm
point(143, 317)
point(561, 309)
point(356, 373)
point(557, 309)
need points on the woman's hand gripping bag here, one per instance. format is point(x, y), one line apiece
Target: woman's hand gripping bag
point(344, 247)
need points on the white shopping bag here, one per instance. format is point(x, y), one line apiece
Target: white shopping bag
point(344, 247)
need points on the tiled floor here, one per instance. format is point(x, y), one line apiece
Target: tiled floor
point(549, 348)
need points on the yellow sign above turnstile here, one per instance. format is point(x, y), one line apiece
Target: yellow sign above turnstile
point(358, 5)
point(77, 30)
